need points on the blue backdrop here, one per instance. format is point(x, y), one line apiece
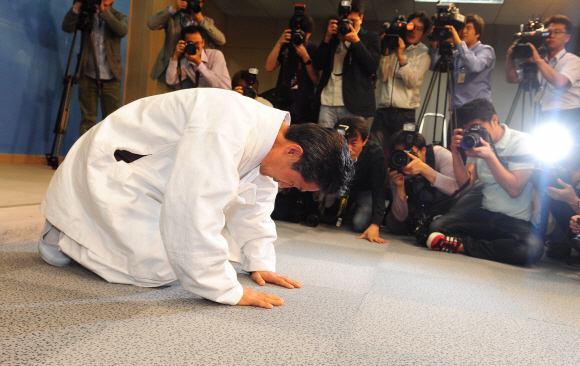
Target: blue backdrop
point(33, 55)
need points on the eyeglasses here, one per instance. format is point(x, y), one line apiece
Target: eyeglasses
point(558, 32)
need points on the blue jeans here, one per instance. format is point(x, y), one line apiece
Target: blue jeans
point(491, 235)
point(363, 210)
point(328, 115)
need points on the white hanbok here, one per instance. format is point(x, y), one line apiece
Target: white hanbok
point(191, 204)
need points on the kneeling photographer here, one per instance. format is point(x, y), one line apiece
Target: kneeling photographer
point(501, 229)
point(246, 83)
point(366, 204)
point(422, 183)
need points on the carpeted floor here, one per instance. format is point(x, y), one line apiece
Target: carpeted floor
point(361, 304)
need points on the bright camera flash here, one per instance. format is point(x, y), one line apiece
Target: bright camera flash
point(551, 142)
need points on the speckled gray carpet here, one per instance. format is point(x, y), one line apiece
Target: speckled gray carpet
point(361, 304)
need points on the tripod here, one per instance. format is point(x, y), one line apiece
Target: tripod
point(84, 25)
point(443, 66)
point(529, 85)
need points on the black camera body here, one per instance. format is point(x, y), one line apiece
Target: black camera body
point(471, 137)
point(190, 48)
point(89, 6)
point(392, 31)
point(297, 34)
point(250, 78)
point(447, 14)
point(533, 32)
point(344, 9)
point(193, 6)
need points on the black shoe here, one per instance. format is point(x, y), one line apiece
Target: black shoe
point(559, 251)
point(574, 261)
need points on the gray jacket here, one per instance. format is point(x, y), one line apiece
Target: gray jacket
point(115, 30)
point(172, 25)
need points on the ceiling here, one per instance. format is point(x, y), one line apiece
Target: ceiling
point(511, 12)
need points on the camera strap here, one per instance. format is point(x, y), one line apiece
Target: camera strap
point(296, 76)
point(179, 76)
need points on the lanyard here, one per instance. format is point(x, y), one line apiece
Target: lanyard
point(544, 80)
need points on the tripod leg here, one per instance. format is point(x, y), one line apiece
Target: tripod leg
point(514, 105)
point(427, 98)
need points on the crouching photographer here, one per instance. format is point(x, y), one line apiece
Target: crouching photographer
point(500, 230)
point(246, 83)
point(366, 204)
point(422, 184)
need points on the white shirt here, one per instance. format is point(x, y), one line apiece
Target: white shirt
point(213, 72)
point(397, 86)
point(193, 202)
point(567, 97)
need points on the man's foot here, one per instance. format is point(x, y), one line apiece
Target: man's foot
point(48, 247)
point(440, 242)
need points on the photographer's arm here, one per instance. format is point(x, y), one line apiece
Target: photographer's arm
point(512, 182)
point(476, 62)
point(216, 36)
point(303, 53)
point(218, 75)
point(71, 18)
point(272, 60)
point(566, 195)
point(559, 80)
point(462, 172)
point(413, 73)
point(367, 55)
point(117, 25)
point(159, 21)
point(511, 73)
point(399, 206)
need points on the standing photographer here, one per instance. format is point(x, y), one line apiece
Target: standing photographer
point(400, 74)
point(173, 19)
point(108, 27)
point(500, 230)
point(199, 67)
point(473, 62)
point(558, 74)
point(427, 178)
point(348, 63)
point(297, 78)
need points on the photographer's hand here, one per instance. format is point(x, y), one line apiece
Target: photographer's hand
point(535, 55)
point(198, 17)
point(434, 44)
point(239, 89)
point(416, 166)
point(455, 143)
point(482, 152)
point(195, 59)
point(398, 179)
point(351, 37)
point(180, 5)
point(179, 49)
point(285, 37)
point(301, 51)
point(454, 34)
point(399, 51)
point(372, 234)
point(331, 30)
point(574, 224)
point(566, 194)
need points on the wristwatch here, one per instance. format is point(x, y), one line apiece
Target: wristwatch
point(309, 62)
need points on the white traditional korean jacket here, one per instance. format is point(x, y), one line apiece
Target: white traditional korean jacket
point(194, 202)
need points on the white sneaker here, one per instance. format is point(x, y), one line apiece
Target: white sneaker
point(48, 247)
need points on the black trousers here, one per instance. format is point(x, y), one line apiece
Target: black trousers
point(388, 121)
point(491, 235)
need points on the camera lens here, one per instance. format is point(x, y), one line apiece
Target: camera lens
point(398, 159)
point(469, 142)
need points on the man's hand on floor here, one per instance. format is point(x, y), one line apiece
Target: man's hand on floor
point(372, 234)
point(261, 277)
point(257, 298)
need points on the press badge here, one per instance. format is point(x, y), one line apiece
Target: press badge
point(461, 78)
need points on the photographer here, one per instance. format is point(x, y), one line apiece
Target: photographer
point(108, 27)
point(558, 75)
point(400, 74)
point(297, 78)
point(175, 18)
point(348, 63)
point(203, 69)
point(473, 62)
point(500, 230)
point(428, 177)
point(240, 81)
point(366, 205)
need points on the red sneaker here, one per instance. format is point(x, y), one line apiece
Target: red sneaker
point(440, 242)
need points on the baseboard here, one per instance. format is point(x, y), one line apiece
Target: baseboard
point(25, 159)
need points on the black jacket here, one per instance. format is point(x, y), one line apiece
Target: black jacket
point(370, 174)
point(360, 66)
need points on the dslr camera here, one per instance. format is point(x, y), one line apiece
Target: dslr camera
point(392, 31)
point(297, 34)
point(344, 9)
point(471, 137)
point(399, 158)
point(250, 78)
point(89, 6)
point(190, 48)
point(447, 14)
point(533, 32)
point(193, 6)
